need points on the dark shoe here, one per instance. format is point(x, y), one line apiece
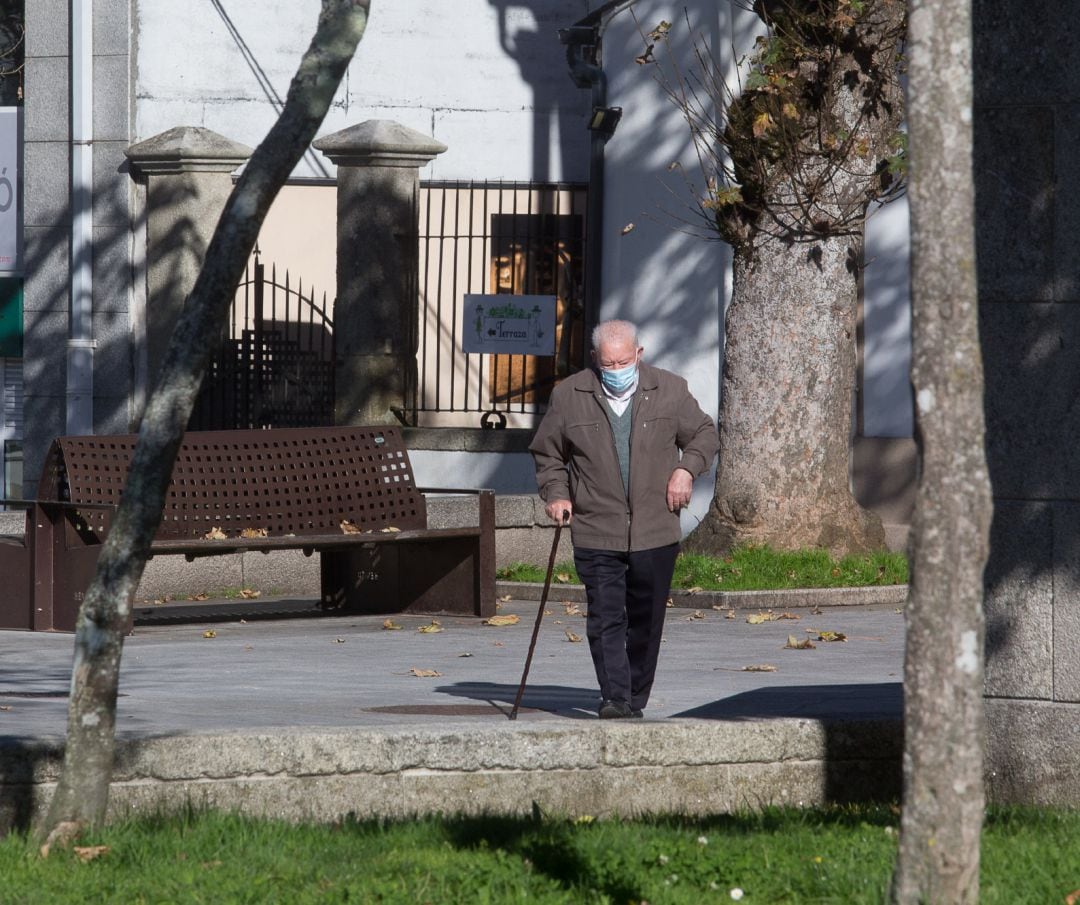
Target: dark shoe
point(617, 710)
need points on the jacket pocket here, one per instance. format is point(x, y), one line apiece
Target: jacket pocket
point(658, 432)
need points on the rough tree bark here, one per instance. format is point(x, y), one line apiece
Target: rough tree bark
point(938, 858)
point(809, 142)
point(785, 426)
point(81, 795)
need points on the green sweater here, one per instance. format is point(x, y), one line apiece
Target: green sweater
point(620, 427)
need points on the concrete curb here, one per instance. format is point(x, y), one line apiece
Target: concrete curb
point(877, 595)
point(669, 766)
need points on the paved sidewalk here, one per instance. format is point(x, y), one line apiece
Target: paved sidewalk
point(350, 672)
point(316, 718)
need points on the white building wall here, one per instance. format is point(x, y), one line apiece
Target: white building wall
point(486, 77)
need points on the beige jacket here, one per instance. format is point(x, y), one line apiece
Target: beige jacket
point(574, 451)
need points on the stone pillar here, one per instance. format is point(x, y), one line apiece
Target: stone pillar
point(376, 315)
point(188, 174)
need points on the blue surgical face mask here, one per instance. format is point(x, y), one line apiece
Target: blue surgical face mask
point(619, 380)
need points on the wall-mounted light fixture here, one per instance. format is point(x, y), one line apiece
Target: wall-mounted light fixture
point(604, 120)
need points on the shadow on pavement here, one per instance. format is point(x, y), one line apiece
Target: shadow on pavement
point(817, 702)
point(564, 700)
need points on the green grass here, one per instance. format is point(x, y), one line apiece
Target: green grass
point(757, 568)
point(834, 855)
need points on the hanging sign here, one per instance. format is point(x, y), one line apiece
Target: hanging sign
point(509, 324)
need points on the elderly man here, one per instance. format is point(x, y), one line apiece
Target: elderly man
point(616, 455)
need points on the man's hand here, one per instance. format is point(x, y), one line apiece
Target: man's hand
point(679, 487)
point(559, 511)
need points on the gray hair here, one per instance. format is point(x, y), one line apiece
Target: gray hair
point(612, 331)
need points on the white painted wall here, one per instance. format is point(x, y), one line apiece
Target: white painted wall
point(487, 77)
point(887, 407)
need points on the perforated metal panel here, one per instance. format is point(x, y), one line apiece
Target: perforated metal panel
point(300, 481)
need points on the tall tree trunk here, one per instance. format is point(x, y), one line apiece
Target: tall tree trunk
point(785, 430)
point(938, 858)
point(812, 139)
point(81, 795)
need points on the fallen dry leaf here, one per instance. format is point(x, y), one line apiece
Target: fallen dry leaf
point(508, 619)
point(431, 629)
point(831, 636)
point(466, 654)
point(697, 614)
point(1073, 897)
point(5, 707)
point(760, 618)
point(794, 616)
point(200, 597)
point(628, 228)
point(759, 667)
point(249, 593)
point(253, 532)
point(348, 527)
point(506, 597)
point(90, 852)
point(695, 590)
point(562, 577)
point(572, 609)
point(390, 626)
point(571, 636)
point(816, 611)
point(209, 633)
point(794, 643)
point(425, 673)
point(730, 614)
point(670, 603)
point(215, 533)
point(339, 641)
point(389, 529)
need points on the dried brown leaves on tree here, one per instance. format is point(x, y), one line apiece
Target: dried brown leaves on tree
point(781, 153)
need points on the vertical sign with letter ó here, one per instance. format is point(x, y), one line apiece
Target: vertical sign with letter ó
point(9, 183)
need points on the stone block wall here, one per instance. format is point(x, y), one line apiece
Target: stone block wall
point(1027, 142)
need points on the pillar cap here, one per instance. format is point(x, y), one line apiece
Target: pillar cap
point(187, 149)
point(379, 143)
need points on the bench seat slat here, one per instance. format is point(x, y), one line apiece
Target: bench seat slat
point(304, 541)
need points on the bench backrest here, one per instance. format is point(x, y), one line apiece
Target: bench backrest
point(286, 480)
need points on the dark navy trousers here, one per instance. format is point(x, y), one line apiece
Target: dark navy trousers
point(627, 597)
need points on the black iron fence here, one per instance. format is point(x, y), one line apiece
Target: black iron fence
point(512, 238)
point(274, 366)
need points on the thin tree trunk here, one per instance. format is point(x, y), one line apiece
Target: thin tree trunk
point(81, 796)
point(785, 426)
point(938, 858)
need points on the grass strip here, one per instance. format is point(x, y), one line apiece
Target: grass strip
point(757, 568)
point(826, 855)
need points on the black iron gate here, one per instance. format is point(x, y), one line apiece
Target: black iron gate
point(275, 364)
point(504, 238)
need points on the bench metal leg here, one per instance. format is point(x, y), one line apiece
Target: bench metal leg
point(430, 577)
point(16, 611)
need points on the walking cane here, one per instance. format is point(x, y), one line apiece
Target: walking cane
point(539, 618)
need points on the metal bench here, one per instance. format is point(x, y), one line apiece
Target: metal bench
point(347, 492)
